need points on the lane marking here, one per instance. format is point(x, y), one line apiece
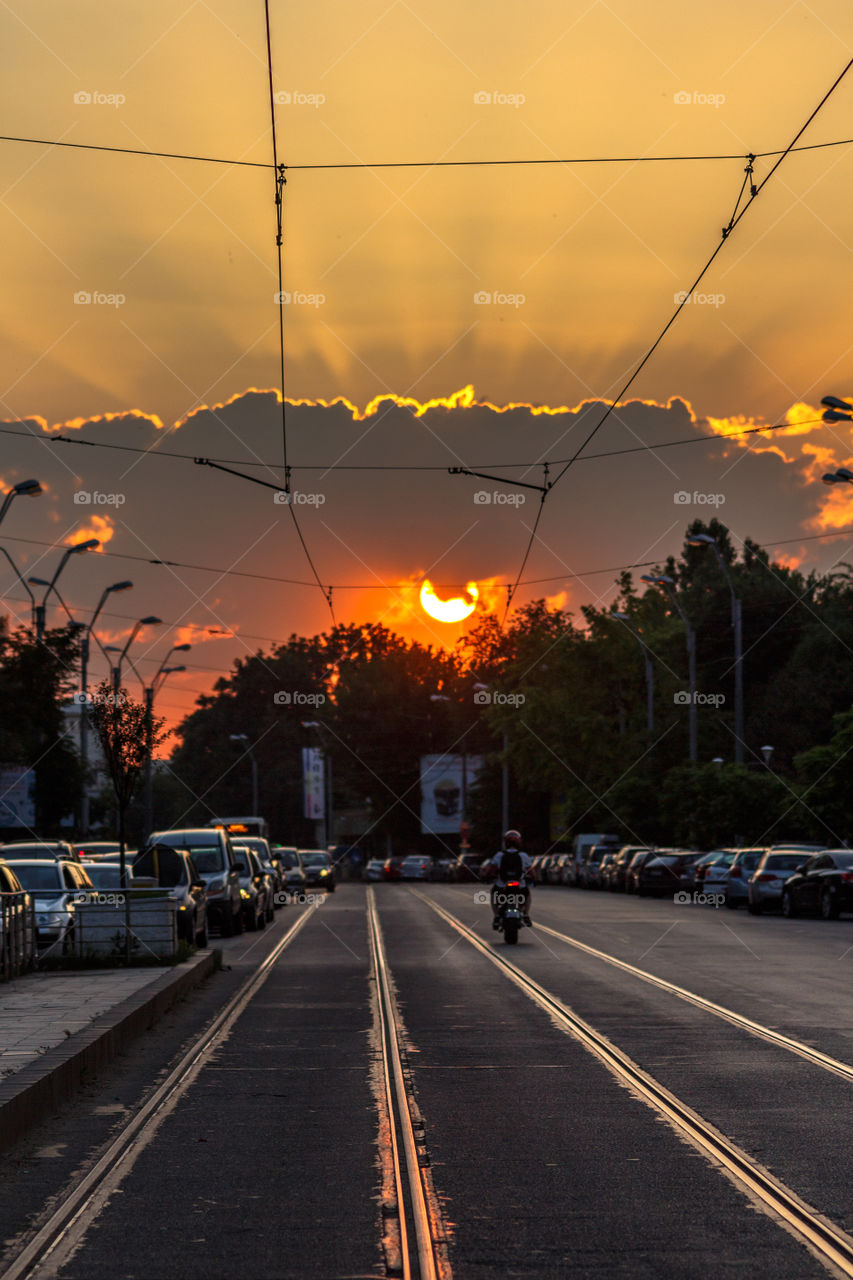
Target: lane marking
point(829, 1243)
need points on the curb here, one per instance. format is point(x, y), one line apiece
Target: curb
point(40, 1088)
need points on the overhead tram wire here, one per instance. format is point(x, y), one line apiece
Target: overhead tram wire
point(419, 164)
point(397, 586)
point(154, 452)
point(734, 221)
point(280, 184)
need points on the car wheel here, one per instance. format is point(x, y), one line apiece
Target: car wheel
point(270, 914)
point(730, 903)
point(788, 908)
point(754, 909)
point(201, 936)
point(226, 925)
point(261, 920)
point(250, 922)
point(829, 908)
point(237, 922)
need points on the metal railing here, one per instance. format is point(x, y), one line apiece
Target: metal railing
point(18, 946)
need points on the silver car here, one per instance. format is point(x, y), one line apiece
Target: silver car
point(54, 886)
point(768, 879)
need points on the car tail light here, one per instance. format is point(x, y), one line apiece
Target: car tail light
point(847, 875)
point(512, 884)
point(735, 871)
point(767, 875)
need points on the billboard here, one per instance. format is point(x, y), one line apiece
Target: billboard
point(313, 784)
point(17, 802)
point(443, 779)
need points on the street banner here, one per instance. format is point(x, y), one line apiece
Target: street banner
point(313, 784)
point(443, 780)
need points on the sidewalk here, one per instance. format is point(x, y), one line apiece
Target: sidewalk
point(57, 1030)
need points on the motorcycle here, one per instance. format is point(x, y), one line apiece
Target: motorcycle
point(510, 910)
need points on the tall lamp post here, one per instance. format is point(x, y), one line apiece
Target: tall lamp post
point(650, 671)
point(705, 540)
point(668, 584)
point(483, 688)
point(150, 690)
point(24, 488)
point(244, 737)
point(24, 583)
point(91, 544)
point(150, 621)
point(86, 632)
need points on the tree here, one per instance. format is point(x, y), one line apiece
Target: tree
point(126, 731)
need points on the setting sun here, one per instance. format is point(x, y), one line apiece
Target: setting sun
point(453, 610)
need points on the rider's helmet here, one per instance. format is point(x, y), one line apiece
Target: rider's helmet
point(512, 840)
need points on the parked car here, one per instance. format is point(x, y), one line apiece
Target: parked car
point(715, 877)
point(769, 878)
point(175, 870)
point(391, 867)
point(53, 884)
point(373, 870)
point(737, 883)
point(541, 866)
point(468, 867)
point(823, 885)
point(555, 866)
point(617, 868)
point(18, 940)
point(445, 868)
point(634, 866)
point(97, 849)
point(39, 849)
point(107, 875)
point(659, 875)
point(581, 847)
point(589, 869)
point(319, 870)
point(213, 855)
point(255, 888)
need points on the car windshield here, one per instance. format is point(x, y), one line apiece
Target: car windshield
point(667, 860)
point(289, 861)
point(843, 859)
point(783, 861)
point(748, 860)
point(207, 858)
point(46, 879)
point(315, 859)
point(30, 851)
point(105, 875)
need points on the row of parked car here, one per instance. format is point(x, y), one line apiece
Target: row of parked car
point(796, 879)
point(216, 882)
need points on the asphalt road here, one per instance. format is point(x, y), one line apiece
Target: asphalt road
point(269, 1164)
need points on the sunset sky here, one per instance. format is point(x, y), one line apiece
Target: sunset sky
point(388, 270)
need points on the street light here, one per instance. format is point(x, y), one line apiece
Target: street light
point(663, 580)
point(150, 621)
point(149, 691)
point(650, 671)
point(767, 752)
point(24, 488)
point(842, 476)
point(244, 737)
point(706, 540)
point(91, 544)
point(84, 681)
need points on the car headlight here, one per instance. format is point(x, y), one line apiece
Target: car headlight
point(244, 893)
point(324, 871)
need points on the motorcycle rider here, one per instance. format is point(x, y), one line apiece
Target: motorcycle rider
point(512, 863)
